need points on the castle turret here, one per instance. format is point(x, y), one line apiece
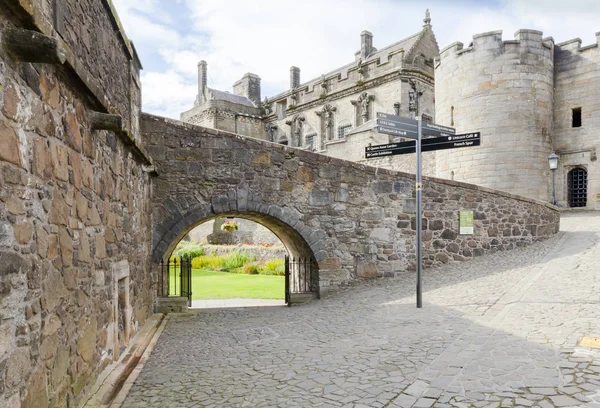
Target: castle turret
point(503, 89)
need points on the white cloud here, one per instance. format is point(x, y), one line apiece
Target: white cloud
point(266, 37)
point(167, 94)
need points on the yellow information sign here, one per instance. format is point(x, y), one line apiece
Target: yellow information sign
point(591, 342)
point(466, 222)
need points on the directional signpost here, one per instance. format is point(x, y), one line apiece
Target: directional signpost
point(427, 145)
point(445, 138)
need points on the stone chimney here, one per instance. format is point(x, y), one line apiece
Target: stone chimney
point(202, 75)
point(248, 86)
point(294, 77)
point(366, 44)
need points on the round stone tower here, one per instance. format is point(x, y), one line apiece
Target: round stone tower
point(503, 89)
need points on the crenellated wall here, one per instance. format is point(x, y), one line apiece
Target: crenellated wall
point(503, 89)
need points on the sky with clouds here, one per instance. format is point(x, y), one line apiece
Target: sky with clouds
point(266, 37)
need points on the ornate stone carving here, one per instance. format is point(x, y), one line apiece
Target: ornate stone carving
point(271, 128)
point(397, 108)
point(323, 83)
point(427, 19)
point(326, 115)
point(266, 107)
point(296, 130)
point(294, 99)
point(362, 103)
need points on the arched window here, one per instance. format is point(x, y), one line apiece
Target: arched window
point(577, 184)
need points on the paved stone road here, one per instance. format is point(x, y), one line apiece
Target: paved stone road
point(500, 331)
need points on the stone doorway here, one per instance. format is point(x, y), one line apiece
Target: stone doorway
point(121, 307)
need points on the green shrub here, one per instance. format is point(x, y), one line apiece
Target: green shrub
point(190, 251)
point(273, 267)
point(237, 259)
point(208, 261)
point(251, 268)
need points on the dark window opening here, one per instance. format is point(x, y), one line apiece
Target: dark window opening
point(576, 117)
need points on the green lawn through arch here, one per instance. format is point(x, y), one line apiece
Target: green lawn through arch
point(209, 284)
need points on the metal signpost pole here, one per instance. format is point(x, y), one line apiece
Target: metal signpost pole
point(419, 189)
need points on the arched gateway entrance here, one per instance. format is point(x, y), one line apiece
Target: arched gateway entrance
point(302, 271)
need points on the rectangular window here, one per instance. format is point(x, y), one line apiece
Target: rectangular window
point(343, 131)
point(576, 117)
point(311, 141)
point(281, 107)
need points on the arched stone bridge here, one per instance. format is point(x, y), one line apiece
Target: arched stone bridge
point(352, 220)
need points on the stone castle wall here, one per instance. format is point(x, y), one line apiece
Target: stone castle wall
point(74, 208)
point(353, 220)
point(383, 97)
point(577, 81)
point(503, 89)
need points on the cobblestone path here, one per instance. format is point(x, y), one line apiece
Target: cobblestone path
point(499, 331)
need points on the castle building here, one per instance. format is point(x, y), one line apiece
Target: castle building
point(528, 97)
point(334, 113)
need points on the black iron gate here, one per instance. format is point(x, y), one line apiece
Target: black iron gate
point(299, 278)
point(175, 278)
point(577, 187)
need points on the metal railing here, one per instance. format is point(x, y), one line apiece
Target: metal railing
point(175, 278)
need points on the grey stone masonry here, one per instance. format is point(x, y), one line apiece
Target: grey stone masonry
point(74, 205)
point(353, 220)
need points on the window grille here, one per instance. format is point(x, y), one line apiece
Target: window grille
point(577, 181)
point(343, 131)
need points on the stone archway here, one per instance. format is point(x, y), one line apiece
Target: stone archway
point(300, 241)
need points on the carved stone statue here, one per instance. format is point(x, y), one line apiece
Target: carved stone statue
point(413, 96)
point(427, 19)
point(296, 124)
point(363, 102)
point(326, 115)
point(397, 108)
point(294, 99)
point(271, 128)
point(323, 83)
point(266, 107)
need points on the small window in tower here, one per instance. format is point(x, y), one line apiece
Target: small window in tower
point(576, 117)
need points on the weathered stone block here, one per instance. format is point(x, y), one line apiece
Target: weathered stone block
point(319, 197)
point(23, 231)
point(18, 366)
point(9, 144)
point(366, 269)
